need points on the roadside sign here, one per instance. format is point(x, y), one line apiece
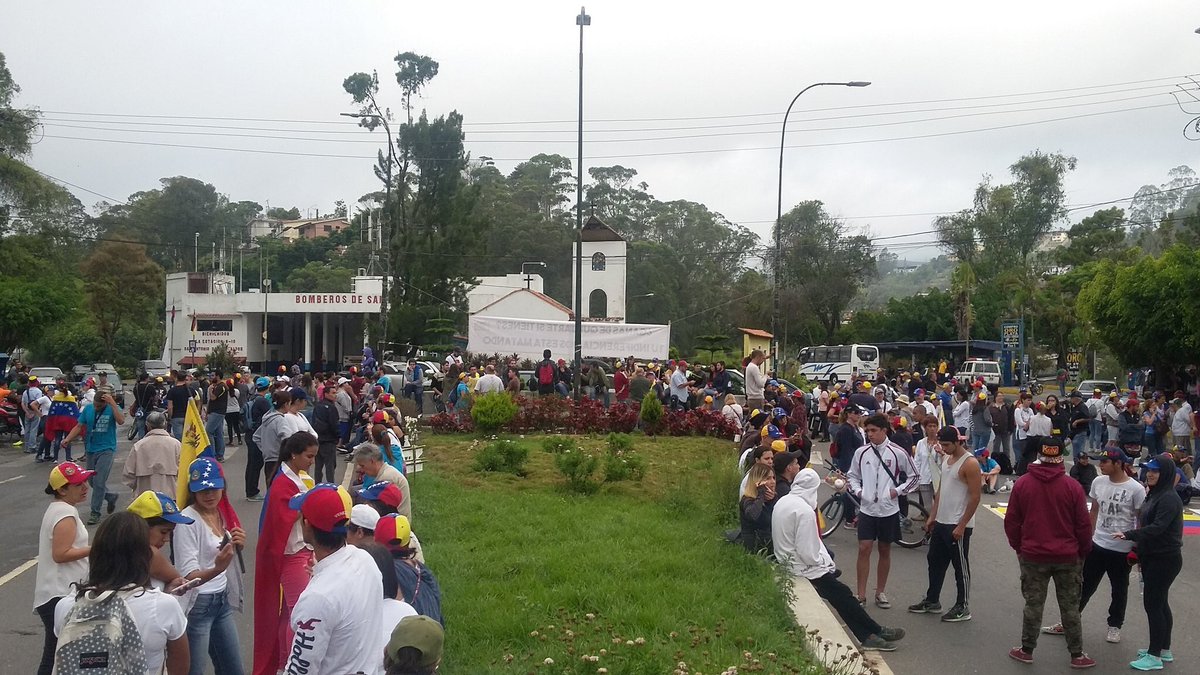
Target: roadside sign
point(1074, 361)
point(1010, 335)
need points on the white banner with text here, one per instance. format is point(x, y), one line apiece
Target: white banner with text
point(528, 337)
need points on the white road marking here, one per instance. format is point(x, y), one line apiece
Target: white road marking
point(9, 480)
point(17, 572)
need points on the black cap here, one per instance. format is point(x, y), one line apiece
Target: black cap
point(852, 408)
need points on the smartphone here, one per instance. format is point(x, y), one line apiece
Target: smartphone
point(225, 541)
point(186, 586)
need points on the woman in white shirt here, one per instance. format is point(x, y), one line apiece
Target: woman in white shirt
point(62, 550)
point(120, 562)
point(732, 411)
point(962, 413)
point(204, 550)
point(926, 458)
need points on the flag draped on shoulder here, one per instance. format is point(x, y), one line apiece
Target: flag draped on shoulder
point(196, 444)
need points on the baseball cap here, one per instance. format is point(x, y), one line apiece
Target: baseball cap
point(326, 507)
point(342, 380)
point(1114, 454)
point(364, 516)
point(919, 392)
point(1113, 394)
point(778, 412)
point(949, 434)
point(284, 378)
point(262, 383)
point(781, 460)
point(1097, 391)
point(379, 417)
point(68, 473)
point(383, 491)
point(779, 445)
point(772, 383)
point(1152, 464)
point(773, 431)
point(1076, 394)
point(420, 633)
point(393, 531)
point(708, 399)
point(298, 394)
point(205, 474)
point(797, 394)
point(982, 452)
point(982, 396)
point(151, 504)
point(1051, 452)
point(854, 409)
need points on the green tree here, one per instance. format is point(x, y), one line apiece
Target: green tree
point(121, 285)
point(1100, 235)
point(824, 263)
point(318, 277)
point(283, 214)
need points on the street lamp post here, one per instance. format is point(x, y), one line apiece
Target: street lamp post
point(387, 200)
point(778, 266)
point(582, 20)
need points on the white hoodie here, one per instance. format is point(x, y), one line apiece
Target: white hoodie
point(794, 529)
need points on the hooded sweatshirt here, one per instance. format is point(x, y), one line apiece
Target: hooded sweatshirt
point(1047, 519)
point(1161, 517)
point(794, 529)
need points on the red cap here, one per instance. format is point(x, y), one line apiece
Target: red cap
point(379, 417)
point(325, 507)
point(393, 531)
point(384, 492)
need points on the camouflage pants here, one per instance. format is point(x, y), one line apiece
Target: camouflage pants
point(1068, 586)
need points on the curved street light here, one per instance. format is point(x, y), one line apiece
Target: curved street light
point(779, 215)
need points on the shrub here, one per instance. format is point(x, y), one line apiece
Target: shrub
point(578, 466)
point(558, 444)
point(619, 442)
point(621, 462)
point(651, 414)
point(490, 412)
point(451, 423)
point(504, 456)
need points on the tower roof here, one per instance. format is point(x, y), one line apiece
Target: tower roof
point(595, 230)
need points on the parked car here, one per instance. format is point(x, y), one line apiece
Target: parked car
point(154, 368)
point(1088, 386)
point(46, 373)
point(79, 370)
point(114, 381)
point(974, 369)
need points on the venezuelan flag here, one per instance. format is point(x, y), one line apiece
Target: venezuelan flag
point(196, 444)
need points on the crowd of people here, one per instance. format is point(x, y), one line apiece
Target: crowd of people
point(1073, 527)
point(340, 581)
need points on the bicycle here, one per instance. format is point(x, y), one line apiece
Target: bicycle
point(833, 510)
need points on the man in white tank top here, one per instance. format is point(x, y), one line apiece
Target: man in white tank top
point(950, 523)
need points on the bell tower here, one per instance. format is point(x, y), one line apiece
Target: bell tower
point(604, 266)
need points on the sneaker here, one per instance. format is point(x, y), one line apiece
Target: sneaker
point(876, 643)
point(1114, 635)
point(93, 519)
point(1019, 654)
point(255, 498)
point(925, 607)
point(882, 602)
point(891, 634)
point(17, 444)
point(1082, 661)
point(1056, 629)
point(957, 613)
point(1004, 488)
point(112, 502)
point(862, 601)
point(851, 525)
point(1147, 662)
point(1165, 655)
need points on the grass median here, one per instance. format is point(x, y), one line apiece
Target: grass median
point(634, 578)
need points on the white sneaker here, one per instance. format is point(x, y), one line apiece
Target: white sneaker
point(1114, 634)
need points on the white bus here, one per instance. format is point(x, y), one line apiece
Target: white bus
point(838, 363)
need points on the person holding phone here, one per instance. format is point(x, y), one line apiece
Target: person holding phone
point(204, 550)
point(98, 422)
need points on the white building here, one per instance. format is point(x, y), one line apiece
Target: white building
point(490, 289)
point(604, 257)
point(527, 304)
point(312, 329)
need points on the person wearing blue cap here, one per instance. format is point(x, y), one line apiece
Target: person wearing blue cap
point(1159, 541)
point(256, 407)
point(204, 550)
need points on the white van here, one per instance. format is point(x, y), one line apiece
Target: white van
point(975, 369)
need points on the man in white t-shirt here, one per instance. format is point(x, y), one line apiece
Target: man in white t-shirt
point(1095, 407)
point(338, 615)
point(756, 380)
point(1116, 500)
point(1182, 425)
point(490, 383)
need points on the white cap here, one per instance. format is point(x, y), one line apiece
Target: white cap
point(342, 380)
point(283, 378)
point(364, 516)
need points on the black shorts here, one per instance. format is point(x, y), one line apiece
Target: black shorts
point(885, 530)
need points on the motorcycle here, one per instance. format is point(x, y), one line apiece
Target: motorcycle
point(10, 419)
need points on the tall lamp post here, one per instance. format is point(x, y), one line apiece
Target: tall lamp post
point(582, 20)
point(778, 266)
point(387, 257)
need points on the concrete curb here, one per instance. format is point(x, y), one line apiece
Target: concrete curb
point(812, 613)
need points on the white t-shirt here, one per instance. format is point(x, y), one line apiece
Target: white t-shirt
point(733, 413)
point(293, 422)
point(43, 404)
point(754, 381)
point(54, 579)
point(1119, 504)
point(393, 611)
point(1181, 421)
point(196, 549)
point(157, 615)
point(338, 617)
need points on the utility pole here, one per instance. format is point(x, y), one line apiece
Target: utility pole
point(582, 20)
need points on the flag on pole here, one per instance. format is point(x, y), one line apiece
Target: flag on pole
point(196, 444)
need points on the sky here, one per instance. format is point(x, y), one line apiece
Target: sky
point(717, 74)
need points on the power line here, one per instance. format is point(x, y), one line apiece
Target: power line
point(641, 119)
point(644, 154)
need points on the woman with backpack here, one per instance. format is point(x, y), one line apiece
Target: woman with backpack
point(62, 549)
point(116, 614)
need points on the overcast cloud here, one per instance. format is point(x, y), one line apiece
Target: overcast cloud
point(516, 62)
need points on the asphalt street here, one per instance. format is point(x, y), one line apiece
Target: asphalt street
point(981, 645)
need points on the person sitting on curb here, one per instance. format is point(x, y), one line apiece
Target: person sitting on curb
point(797, 543)
point(989, 470)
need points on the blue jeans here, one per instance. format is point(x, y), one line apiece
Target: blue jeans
point(1095, 433)
point(31, 434)
point(212, 633)
point(979, 441)
point(100, 462)
point(215, 426)
point(177, 428)
point(139, 425)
